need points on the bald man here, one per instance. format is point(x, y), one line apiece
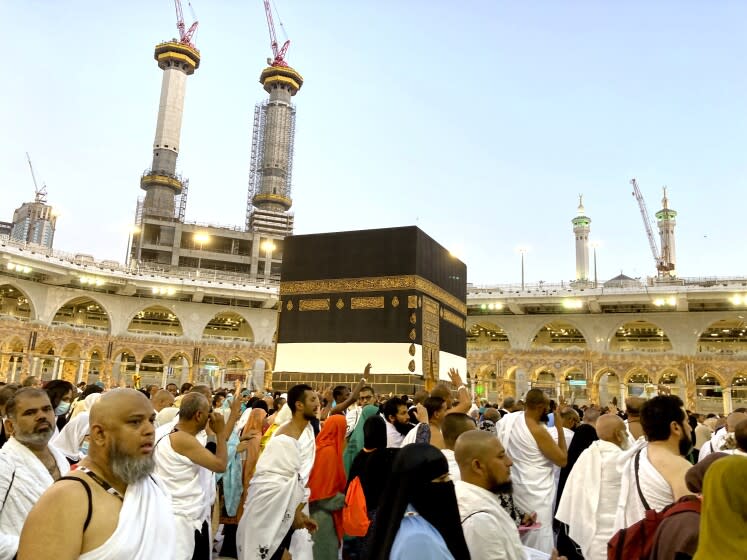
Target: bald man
point(485, 470)
point(589, 501)
point(112, 506)
point(723, 440)
point(162, 399)
point(453, 426)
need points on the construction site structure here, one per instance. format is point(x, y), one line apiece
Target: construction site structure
point(581, 229)
point(271, 165)
point(664, 259)
point(160, 236)
point(34, 222)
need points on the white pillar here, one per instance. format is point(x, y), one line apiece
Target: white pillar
point(623, 396)
point(60, 364)
point(222, 378)
point(557, 390)
point(163, 377)
point(137, 373)
point(13, 366)
point(726, 393)
point(81, 367)
point(34, 366)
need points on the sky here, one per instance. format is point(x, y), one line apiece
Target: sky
point(478, 121)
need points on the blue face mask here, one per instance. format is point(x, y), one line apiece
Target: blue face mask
point(84, 448)
point(62, 409)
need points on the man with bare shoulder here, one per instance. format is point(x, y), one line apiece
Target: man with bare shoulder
point(111, 507)
point(186, 468)
point(277, 495)
point(527, 441)
point(653, 471)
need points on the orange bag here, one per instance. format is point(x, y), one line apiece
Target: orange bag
point(355, 520)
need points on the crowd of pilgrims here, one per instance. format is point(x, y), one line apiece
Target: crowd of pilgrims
point(195, 473)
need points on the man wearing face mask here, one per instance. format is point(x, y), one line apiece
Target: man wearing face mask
point(28, 464)
point(653, 471)
point(589, 502)
point(418, 511)
point(534, 453)
point(187, 468)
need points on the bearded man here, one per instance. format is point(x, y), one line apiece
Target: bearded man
point(111, 507)
point(28, 464)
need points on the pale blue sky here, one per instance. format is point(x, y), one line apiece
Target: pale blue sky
point(479, 121)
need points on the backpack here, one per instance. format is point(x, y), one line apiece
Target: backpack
point(355, 520)
point(637, 541)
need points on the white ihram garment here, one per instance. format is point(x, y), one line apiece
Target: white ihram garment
point(23, 479)
point(490, 532)
point(191, 489)
point(145, 528)
point(655, 488)
point(274, 493)
point(454, 472)
point(71, 436)
point(555, 468)
point(302, 544)
point(589, 501)
point(532, 476)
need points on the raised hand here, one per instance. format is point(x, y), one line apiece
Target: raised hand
point(456, 379)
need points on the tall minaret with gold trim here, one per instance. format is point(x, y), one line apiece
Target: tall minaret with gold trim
point(581, 228)
point(666, 219)
point(161, 183)
point(271, 166)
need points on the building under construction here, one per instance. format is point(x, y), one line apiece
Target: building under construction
point(161, 237)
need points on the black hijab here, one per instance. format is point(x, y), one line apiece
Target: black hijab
point(374, 432)
point(414, 469)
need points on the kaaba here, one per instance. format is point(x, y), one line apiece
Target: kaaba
point(393, 297)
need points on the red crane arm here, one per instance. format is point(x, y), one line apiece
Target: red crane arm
point(185, 36)
point(277, 53)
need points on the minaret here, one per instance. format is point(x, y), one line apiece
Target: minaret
point(666, 221)
point(581, 229)
point(161, 183)
point(272, 153)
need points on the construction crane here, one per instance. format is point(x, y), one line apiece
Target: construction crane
point(185, 37)
point(662, 268)
point(277, 53)
point(40, 194)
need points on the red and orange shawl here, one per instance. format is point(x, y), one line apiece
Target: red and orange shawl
point(328, 475)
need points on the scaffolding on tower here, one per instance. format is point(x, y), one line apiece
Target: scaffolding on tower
point(257, 155)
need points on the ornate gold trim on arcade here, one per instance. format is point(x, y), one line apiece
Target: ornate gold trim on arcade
point(373, 284)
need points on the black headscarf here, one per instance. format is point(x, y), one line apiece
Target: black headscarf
point(415, 467)
point(374, 432)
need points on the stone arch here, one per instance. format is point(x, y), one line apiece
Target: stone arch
point(208, 370)
point(670, 381)
point(546, 380)
point(15, 302)
point(486, 332)
point(607, 382)
point(152, 366)
point(574, 385)
point(96, 358)
point(83, 312)
point(739, 391)
point(724, 336)
point(124, 363)
point(43, 363)
point(155, 320)
point(179, 366)
point(228, 325)
point(13, 345)
point(639, 383)
point(236, 369)
point(709, 387)
point(559, 334)
point(485, 381)
point(639, 336)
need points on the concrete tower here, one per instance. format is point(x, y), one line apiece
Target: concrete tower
point(666, 221)
point(581, 229)
point(270, 171)
point(161, 183)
